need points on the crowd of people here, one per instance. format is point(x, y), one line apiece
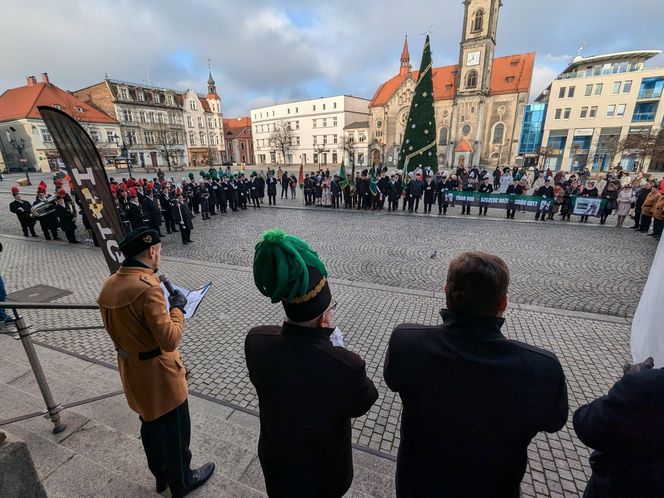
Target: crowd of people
point(161, 203)
point(473, 400)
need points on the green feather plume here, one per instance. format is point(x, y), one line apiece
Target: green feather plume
point(280, 266)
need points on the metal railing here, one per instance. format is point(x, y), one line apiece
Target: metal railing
point(24, 333)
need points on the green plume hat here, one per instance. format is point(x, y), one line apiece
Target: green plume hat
point(286, 269)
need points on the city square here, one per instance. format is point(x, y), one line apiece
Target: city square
point(414, 249)
point(574, 289)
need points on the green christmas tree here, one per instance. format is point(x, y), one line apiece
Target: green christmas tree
point(418, 149)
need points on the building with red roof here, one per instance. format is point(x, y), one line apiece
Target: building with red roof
point(239, 140)
point(21, 125)
point(479, 101)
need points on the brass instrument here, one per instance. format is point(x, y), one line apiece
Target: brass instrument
point(44, 207)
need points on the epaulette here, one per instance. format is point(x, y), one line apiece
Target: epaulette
point(147, 280)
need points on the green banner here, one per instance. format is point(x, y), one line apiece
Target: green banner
point(581, 205)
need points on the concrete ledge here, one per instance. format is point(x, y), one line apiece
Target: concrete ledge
point(18, 478)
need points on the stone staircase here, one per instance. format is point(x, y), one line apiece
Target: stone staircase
point(101, 455)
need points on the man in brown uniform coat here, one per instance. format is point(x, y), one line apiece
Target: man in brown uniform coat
point(146, 338)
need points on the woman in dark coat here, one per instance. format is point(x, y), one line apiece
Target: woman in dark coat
point(610, 193)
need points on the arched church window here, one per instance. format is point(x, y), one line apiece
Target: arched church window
point(478, 21)
point(471, 79)
point(442, 136)
point(498, 134)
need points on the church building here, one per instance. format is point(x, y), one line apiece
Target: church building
point(479, 102)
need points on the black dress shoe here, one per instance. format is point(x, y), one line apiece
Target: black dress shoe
point(198, 478)
point(161, 485)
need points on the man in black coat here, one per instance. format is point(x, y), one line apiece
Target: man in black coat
point(151, 212)
point(625, 429)
point(49, 221)
point(545, 207)
point(640, 199)
point(134, 211)
point(272, 189)
point(285, 180)
point(414, 193)
point(66, 218)
point(22, 209)
point(335, 191)
point(308, 387)
point(183, 218)
point(472, 399)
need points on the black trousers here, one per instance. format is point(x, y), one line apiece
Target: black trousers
point(185, 233)
point(393, 205)
point(637, 217)
point(645, 223)
point(284, 191)
point(427, 206)
point(413, 201)
point(166, 444)
point(483, 209)
point(272, 198)
point(335, 201)
point(50, 231)
point(70, 233)
point(27, 226)
point(442, 208)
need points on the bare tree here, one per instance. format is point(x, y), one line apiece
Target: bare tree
point(606, 147)
point(642, 146)
point(347, 144)
point(168, 142)
point(281, 138)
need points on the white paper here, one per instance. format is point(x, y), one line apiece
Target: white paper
point(648, 324)
point(194, 298)
point(337, 338)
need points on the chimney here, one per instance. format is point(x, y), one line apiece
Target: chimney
point(45, 78)
point(31, 80)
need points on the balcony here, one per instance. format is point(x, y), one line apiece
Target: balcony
point(642, 117)
point(650, 94)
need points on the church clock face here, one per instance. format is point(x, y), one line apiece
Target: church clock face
point(473, 59)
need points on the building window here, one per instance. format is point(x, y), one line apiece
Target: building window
point(192, 105)
point(558, 113)
point(314, 122)
point(442, 136)
point(598, 89)
point(620, 110)
point(324, 123)
point(334, 121)
point(561, 92)
point(296, 110)
point(589, 90)
point(334, 140)
point(645, 111)
point(132, 138)
point(627, 87)
point(242, 145)
point(478, 21)
point(324, 139)
point(315, 140)
point(169, 100)
point(323, 106)
point(124, 93)
point(651, 88)
point(94, 135)
point(200, 121)
point(149, 137)
point(192, 138)
point(45, 135)
point(151, 117)
point(570, 92)
point(334, 106)
point(202, 137)
point(593, 112)
point(611, 111)
point(616, 88)
point(584, 112)
point(156, 98)
point(471, 79)
point(566, 114)
point(127, 115)
point(335, 158)
point(498, 133)
point(141, 116)
point(190, 122)
point(289, 110)
point(110, 136)
point(140, 95)
point(297, 125)
point(297, 140)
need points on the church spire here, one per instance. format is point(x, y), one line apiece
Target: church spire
point(211, 86)
point(405, 58)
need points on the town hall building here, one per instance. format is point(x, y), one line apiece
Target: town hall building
point(479, 103)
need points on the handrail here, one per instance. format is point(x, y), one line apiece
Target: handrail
point(47, 306)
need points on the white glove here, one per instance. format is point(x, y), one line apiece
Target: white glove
point(337, 338)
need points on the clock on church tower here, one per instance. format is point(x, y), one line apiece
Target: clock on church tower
point(478, 44)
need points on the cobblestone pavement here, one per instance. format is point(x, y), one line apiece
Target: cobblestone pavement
point(382, 275)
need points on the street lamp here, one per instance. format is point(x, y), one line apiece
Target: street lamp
point(19, 146)
point(124, 152)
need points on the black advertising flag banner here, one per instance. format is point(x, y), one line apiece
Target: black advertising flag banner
point(88, 175)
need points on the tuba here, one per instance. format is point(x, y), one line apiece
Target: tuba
point(44, 207)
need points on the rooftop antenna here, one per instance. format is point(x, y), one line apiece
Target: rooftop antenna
point(427, 32)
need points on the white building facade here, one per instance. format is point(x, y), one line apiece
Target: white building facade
point(316, 129)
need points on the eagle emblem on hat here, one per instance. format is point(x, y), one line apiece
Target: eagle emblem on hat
point(147, 239)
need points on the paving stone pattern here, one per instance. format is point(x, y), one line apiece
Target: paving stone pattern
point(382, 275)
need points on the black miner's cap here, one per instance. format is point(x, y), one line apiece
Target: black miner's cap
point(137, 241)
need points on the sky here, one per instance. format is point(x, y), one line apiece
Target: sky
point(263, 52)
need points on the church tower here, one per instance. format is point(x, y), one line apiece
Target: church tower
point(405, 59)
point(478, 45)
point(473, 77)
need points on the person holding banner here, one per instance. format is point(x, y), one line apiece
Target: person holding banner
point(513, 190)
point(545, 207)
point(589, 191)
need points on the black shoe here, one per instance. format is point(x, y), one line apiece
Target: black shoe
point(190, 241)
point(198, 478)
point(185, 242)
point(161, 485)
